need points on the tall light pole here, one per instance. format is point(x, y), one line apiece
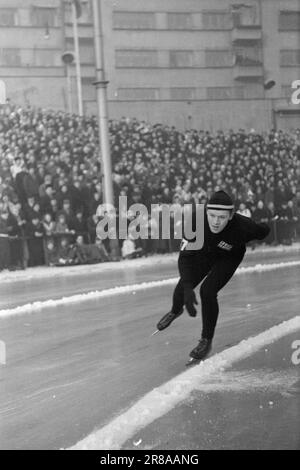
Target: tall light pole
point(76, 13)
point(101, 90)
point(101, 86)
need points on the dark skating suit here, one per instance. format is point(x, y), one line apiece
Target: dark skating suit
point(216, 261)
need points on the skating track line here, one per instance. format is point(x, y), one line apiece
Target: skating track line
point(162, 399)
point(127, 289)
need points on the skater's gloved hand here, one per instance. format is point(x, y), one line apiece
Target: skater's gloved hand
point(190, 301)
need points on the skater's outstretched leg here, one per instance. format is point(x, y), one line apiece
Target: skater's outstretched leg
point(221, 272)
point(183, 295)
point(176, 310)
point(217, 278)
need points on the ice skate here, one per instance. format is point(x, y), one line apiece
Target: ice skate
point(200, 352)
point(166, 321)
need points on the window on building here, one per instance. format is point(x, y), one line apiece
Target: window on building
point(182, 94)
point(136, 58)
point(235, 93)
point(248, 55)
point(219, 93)
point(254, 91)
point(86, 12)
point(8, 16)
point(180, 21)
point(245, 15)
point(133, 20)
point(218, 58)
point(138, 94)
point(290, 58)
point(289, 20)
point(86, 49)
point(41, 16)
point(181, 59)
point(10, 57)
point(46, 58)
point(216, 20)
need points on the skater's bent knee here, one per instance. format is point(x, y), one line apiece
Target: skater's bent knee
point(207, 292)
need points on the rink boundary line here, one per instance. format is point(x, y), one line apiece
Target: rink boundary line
point(37, 306)
point(164, 398)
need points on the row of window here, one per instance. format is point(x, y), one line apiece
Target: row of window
point(14, 57)
point(189, 58)
point(148, 20)
point(209, 20)
point(242, 16)
point(43, 15)
point(187, 94)
point(37, 16)
point(247, 56)
point(149, 58)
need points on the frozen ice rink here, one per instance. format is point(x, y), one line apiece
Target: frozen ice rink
point(79, 365)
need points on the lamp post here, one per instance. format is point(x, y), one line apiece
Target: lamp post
point(76, 13)
point(101, 91)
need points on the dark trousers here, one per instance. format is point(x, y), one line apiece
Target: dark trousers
point(217, 273)
point(4, 253)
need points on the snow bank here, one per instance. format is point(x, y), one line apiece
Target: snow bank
point(46, 272)
point(127, 289)
point(161, 400)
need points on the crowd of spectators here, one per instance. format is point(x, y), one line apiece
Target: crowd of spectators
point(51, 186)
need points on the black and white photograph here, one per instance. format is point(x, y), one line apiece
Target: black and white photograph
point(149, 228)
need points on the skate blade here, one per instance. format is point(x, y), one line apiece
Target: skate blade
point(155, 332)
point(193, 361)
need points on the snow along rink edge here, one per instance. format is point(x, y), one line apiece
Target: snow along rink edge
point(162, 399)
point(127, 289)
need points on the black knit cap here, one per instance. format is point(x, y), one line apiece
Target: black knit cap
point(220, 201)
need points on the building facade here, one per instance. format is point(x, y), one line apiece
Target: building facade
point(192, 63)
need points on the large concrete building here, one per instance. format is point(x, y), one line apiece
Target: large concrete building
point(191, 63)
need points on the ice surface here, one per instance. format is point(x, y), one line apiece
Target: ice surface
point(127, 289)
point(162, 399)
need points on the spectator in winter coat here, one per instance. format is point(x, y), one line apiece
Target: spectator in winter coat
point(65, 253)
point(78, 224)
point(61, 225)
point(34, 232)
point(294, 218)
point(261, 214)
point(243, 210)
point(4, 241)
point(29, 208)
point(81, 251)
point(31, 185)
point(51, 253)
point(94, 202)
point(46, 199)
point(102, 252)
point(48, 224)
point(285, 224)
point(91, 227)
point(16, 230)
